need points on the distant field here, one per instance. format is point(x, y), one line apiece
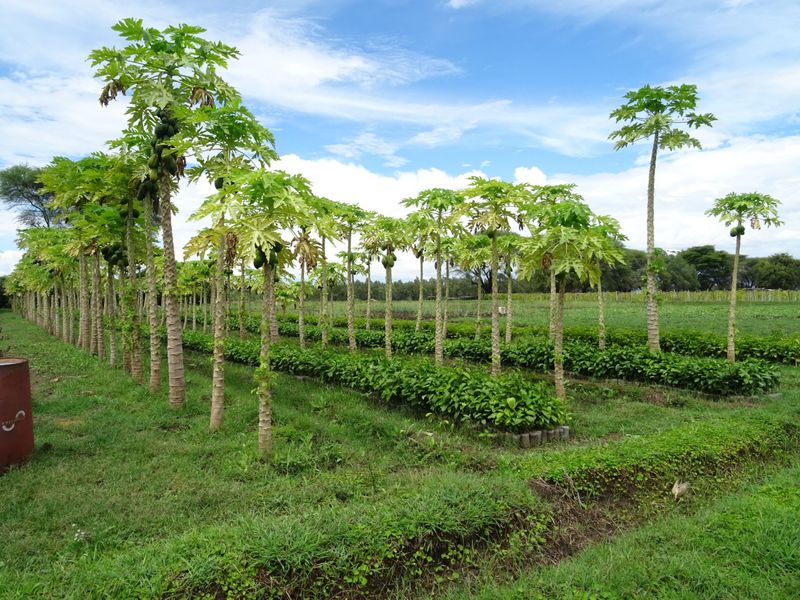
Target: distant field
point(753, 317)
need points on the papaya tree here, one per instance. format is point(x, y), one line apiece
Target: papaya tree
point(568, 239)
point(349, 218)
point(508, 246)
point(472, 252)
point(271, 201)
point(663, 114)
point(166, 73)
point(306, 250)
point(738, 209)
point(228, 139)
point(491, 207)
point(390, 234)
point(436, 218)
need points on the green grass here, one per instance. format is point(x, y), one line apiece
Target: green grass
point(759, 318)
point(743, 546)
point(125, 497)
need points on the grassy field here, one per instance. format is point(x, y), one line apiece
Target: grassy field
point(757, 318)
point(127, 498)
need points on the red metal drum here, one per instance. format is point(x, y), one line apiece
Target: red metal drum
point(16, 421)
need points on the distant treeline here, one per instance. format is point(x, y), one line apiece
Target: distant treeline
point(696, 268)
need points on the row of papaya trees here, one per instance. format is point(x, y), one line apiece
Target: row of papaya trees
point(185, 122)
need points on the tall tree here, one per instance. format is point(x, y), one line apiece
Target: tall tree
point(660, 113)
point(306, 250)
point(166, 73)
point(21, 190)
point(737, 209)
point(229, 140)
point(569, 240)
point(436, 218)
point(491, 206)
point(391, 236)
point(350, 218)
point(271, 201)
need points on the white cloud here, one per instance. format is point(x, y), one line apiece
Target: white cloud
point(368, 143)
point(531, 175)
point(439, 135)
point(8, 259)
point(687, 185)
point(461, 3)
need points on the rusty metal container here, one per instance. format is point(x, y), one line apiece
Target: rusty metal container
point(16, 421)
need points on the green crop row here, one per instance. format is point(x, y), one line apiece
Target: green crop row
point(510, 403)
point(687, 453)
point(630, 362)
point(777, 349)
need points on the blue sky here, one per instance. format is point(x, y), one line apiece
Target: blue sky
point(376, 100)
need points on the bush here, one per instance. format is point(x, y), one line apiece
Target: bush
point(509, 402)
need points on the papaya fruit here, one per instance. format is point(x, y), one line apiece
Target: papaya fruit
point(153, 174)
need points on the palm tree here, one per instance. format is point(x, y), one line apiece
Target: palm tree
point(657, 112)
point(736, 209)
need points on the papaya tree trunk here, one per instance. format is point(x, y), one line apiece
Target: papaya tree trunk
point(446, 299)
point(301, 317)
point(421, 298)
point(558, 342)
point(324, 297)
point(133, 304)
point(478, 310)
point(177, 381)
point(438, 351)
point(653, 341)
point(495, 310)
point(112, 317)
point(98, 307)
point(83, 308)
point(732, 308)
point(273, 310)
point(218, 363)
point(241, 302)
point(263, 375)
point(509, 306)
point(351, 317)
point(205, 309)
point(553, 304)
point(387, 317)
point(601, 316)
point(154, 384)
point(367, 325)
point(55, 316)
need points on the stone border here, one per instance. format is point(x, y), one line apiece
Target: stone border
point(532, 439)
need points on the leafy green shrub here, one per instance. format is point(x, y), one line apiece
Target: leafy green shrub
point(509, 402)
